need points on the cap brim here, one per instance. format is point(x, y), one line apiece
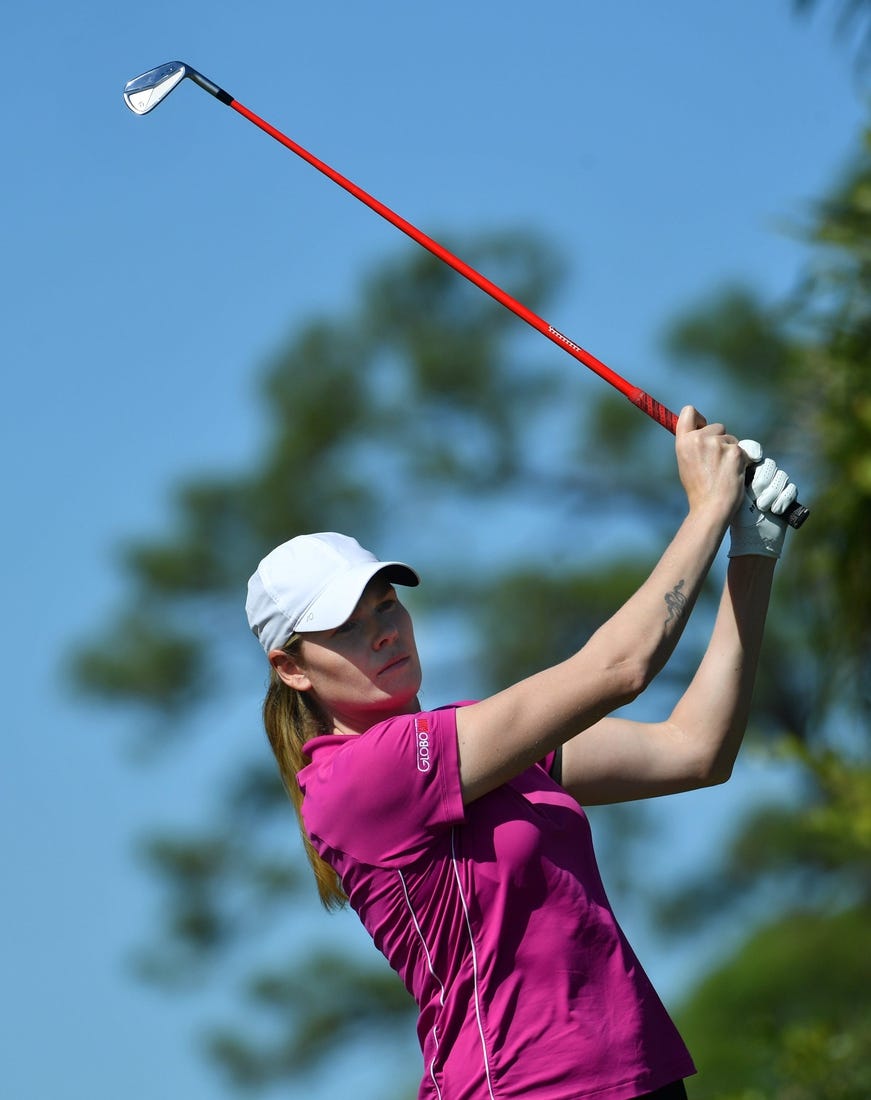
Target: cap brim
point(335, 605)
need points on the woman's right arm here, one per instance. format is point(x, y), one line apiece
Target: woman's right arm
point(502, 736)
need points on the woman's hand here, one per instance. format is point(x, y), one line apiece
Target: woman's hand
point(757, 527)
point(711, 464)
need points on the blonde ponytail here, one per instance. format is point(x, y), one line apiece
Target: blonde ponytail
point(291, 718)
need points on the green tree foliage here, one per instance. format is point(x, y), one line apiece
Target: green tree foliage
point(788, 1017)
point(779, 1021)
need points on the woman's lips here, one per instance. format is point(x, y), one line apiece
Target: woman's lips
point(392, 664)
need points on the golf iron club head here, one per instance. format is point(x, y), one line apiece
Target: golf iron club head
point(143, 93)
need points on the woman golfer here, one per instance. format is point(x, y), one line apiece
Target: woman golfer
point(457, 834)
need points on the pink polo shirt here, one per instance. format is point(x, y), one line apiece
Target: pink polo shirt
point(495, 917)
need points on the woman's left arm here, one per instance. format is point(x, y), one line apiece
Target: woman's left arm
point(618, 760)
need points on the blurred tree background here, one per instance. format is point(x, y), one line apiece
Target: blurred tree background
point(533, 500)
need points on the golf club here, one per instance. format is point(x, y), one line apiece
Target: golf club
point(145, 92)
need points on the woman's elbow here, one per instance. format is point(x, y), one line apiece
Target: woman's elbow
point(703, 768)
point(631, 680)
point(716, 769)
point(717, 773)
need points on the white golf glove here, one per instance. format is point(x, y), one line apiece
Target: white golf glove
point(756, 526)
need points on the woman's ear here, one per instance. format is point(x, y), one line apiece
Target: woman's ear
point(289, 669)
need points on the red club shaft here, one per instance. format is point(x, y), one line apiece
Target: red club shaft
point(796, 513)
point(637, 396)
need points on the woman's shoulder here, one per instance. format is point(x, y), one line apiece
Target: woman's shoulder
point(382, 795)
point(397, 726)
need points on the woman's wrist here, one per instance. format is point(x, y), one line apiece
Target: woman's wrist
point(752, 565)
point(714, 512)
point(709, 521)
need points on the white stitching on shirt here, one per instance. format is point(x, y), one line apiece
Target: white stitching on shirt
point(435, 1035)
point(474, 964)
point(432, 972)
point(422, 940)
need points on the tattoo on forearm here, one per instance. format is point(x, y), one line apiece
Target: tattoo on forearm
point(675, 601)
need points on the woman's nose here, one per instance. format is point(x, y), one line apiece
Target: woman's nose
point(385, 632)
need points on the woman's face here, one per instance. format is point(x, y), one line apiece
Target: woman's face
point(367, 669)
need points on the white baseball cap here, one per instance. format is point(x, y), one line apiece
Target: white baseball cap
point(313, 582)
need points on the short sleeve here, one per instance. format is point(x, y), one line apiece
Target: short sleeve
point(384, 796)
point(553, 765)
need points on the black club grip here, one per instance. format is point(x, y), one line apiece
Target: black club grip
point(795, 514)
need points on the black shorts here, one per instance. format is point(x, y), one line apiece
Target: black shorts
point(674, 1091)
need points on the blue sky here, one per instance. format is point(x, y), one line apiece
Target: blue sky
point(149, 269)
